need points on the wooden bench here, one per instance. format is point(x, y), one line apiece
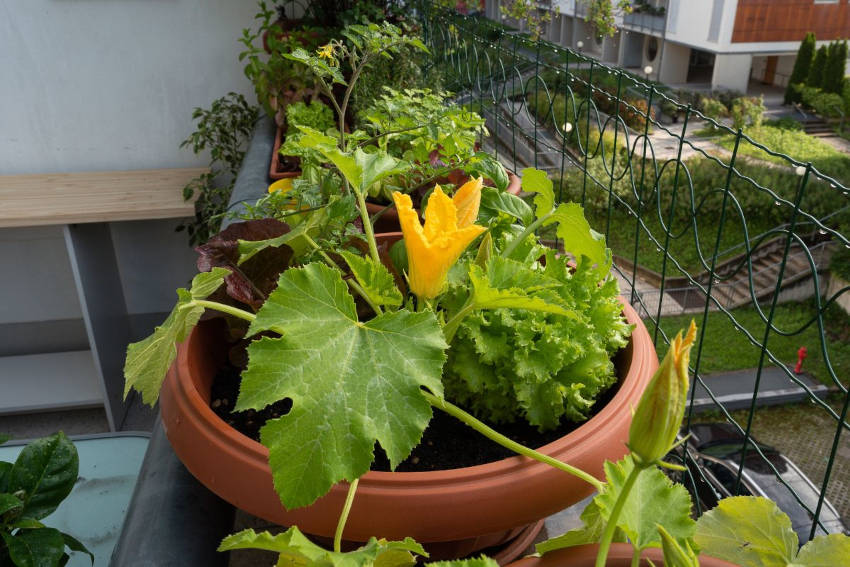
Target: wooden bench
point(85, 203)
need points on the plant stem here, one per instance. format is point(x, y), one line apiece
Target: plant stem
point(454, 323)
point(608, 534)
point(229, 309)
point(343, 517)
point(367, 225)
point(494, 435)
point(527, 232)
point(351, 283)
point(636, 557)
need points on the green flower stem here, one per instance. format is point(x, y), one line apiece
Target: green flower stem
point(453, 324)
point(367, 225)
point(636, 557)
point(229, 309)
point(349, 500)
point(608, 534)
point(494, 435)
point(530, 229)
point(351, 283)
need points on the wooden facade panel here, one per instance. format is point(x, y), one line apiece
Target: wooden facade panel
point(790, 20)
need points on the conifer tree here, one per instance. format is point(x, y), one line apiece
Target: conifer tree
point(801, 67)
point(833, 76)
point(815, 78)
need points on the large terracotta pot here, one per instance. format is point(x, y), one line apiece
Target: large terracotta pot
point(482, 505)
point(619, 555)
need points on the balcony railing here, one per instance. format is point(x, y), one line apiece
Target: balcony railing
point(643, 21)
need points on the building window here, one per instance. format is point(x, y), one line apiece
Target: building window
point(652, 49)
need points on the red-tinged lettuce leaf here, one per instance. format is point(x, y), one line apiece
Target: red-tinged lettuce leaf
point(253, 280)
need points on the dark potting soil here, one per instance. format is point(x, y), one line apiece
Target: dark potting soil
point(446, 443)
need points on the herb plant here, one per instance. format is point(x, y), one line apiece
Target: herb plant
point(223, 130)
point(31, 488)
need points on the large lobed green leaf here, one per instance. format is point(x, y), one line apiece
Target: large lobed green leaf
point(374, 278)
point(149, 359)
point(45, 471)
point(654, 500)
point(749, 531)
point(297, 550)
point(351, 383)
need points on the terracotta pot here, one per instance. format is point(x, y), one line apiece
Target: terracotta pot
point(619, 555)
point(476, 507)
point(275, 171)
point(388, 221)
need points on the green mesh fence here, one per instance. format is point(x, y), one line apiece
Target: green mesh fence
point(705, 223)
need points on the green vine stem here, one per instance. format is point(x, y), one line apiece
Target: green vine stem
point(343, 517)
point(367, 225)
point(229, 309)
point(351, 283)
point(494, 435)
point(452, 325)
point(611, 526)
point(530, 229)
point(636, 557)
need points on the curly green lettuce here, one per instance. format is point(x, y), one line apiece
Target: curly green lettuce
point(509, 364)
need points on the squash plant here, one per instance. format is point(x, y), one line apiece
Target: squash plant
point(31, 488)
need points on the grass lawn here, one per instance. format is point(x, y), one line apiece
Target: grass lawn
point(726, 348)
point(794, 143)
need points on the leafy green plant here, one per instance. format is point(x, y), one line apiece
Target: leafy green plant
point(277, 81)
point(31, 488)
point(224, 130)
point(527, 15)
point(835, 67)
point(713, 108)
point(602, 15)
point(747, 111)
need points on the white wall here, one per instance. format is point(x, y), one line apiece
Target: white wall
point(107, 85)
point(104, 85)
point(731, 72)
point(674, 62)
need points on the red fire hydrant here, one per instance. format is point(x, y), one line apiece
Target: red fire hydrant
point(801, 356)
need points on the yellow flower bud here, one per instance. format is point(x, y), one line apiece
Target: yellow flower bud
point(659, 414)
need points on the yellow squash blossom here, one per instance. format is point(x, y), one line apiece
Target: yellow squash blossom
point(448, 230)
point(661, 408)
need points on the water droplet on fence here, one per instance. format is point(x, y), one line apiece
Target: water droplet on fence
point(800, 170)
point(657, 249)
point(821, 231)
point(832, 185)
point(777, 203)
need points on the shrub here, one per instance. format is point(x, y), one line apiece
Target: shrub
point(801, 68)
point(828, 105)
point(785, 123)
point(748, 111)
point(713, 108)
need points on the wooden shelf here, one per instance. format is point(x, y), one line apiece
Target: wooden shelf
point(57, 380)
point(105, 196)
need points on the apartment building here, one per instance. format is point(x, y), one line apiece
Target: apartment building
point(717, 44)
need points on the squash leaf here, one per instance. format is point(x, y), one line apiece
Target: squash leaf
point(591, 532)
point(654, 500)
point(149, 359)
point(377, 282)
point(536, 181)
point(579, 239)
point(747, 531)
point(295, 549)
point(824, 551)
point(350, 383)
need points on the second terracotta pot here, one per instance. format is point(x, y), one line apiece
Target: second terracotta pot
point(480, 504)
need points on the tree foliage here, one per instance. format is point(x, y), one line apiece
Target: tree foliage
point(801, 67)
point(816, 72)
